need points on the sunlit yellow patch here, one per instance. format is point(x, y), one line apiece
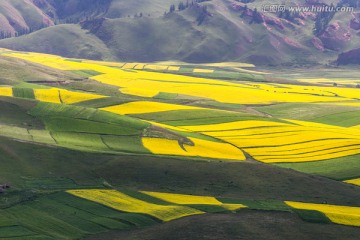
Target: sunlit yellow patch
point(56, 95)
point(338, 214)
point(201, 148)
point(200, 70)
point(6, 91)
point(122, 202)
point(173, 68)
point(354, 181)
point(146, 107)
point(191, 199)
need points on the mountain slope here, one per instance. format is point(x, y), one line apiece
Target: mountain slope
point(68, 40)
point(21, 16)
point(202, 31)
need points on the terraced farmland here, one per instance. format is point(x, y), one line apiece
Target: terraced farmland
point(124, 145)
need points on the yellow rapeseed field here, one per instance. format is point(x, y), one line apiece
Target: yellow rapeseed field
point(338, 214)
point(201, 70)
point(183, 198)
point(56, 95)
point(291, 141)
point(123, 202)
point(6, 91)
point(201, 148)
point(146, 107)
point(222, 91)
point(191, 199)
point(173, 68)
point(354, 181)
point(234, 126)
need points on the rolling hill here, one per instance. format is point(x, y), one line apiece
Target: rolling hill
point(203, 31)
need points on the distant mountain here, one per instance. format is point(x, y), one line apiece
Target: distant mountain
point(350, 57)
point(193, 31)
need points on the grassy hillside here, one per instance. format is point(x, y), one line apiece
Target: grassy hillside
point(66, 40)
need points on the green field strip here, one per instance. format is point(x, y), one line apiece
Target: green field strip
point(166, 96)
point(124, 143)
point(88, 126)
point(50, 183)
point(31, 85)
point(103, 102)
point(308, 110)
point(79, 219)
point(32, 237)
point(41, 136)
point(71, 139)
point(339, 168)
point(101, 211)
point(15, 133)
point(344, 119)
point(85, 73)
point(44, 223)
point(15, 231)
point(61, 117)
point(311, 216)
point(23, 93)
point(208, 208)
point(51, 109)
point(31, 135)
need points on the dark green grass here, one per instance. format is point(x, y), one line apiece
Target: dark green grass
point(345, 119)
point(270, 205)
point(14, 113)
point(86, 73)
point(339, 169)
point(103, 102)
point(23, 93)
point(208, 208)
point(166, 96)
point(304, 111)
point(60, 117)
point(60, 124)
point(80, 219)
point(49, 183)
point(43, 223)
point(43, 109)
point(311, 216)
point(81, 141)
point(124, 143)
point(15, 231)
